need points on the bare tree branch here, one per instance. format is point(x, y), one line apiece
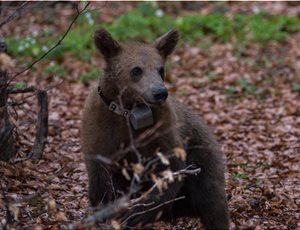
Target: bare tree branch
point(185, 171)
point(123, 204)
point(35, 93)
point(29, 89)
point(152, 209)
point(15, 14)
point(105, 213)
point(144, 139)
point(79, 12)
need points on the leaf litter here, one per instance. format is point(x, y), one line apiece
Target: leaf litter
point(258, 129)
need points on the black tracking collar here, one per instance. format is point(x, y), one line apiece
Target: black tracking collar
point(113, 106)
point(140, 116)
point(104, 99)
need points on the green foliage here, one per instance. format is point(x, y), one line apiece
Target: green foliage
point(190, 28)
point(239, 176)
point(265, 28)
point(216, 25)
point(20, 85)
point(29, 46)
point(90, 76)
point(146, 22)
point(246, 86)
point(143, 23)
point(258, 182)
point(205, 45)
point(211, 76)
point(55, 69)
point(231, 91)
point(78, 41)
point(182, 93)
point(296, 87)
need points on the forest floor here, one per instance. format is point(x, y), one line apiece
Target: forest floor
point(251, 101)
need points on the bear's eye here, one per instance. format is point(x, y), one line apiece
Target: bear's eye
point(161, 72)
point(136, 73)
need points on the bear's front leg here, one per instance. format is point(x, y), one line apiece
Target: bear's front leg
point(101, 186)
point(205, 192)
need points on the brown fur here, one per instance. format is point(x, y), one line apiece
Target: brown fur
point(103, 132)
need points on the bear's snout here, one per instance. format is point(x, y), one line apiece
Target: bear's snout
point(160, 93)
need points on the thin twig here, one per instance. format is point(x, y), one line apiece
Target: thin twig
point(123, 204)
point(102, 159)
point(79, 12)
point(157, 135)
point(29, 89)
point(142, 205)
point(144, 140)
point(15, 14)
point(97, 9)
point(131, 139)
point(185, 171)
point(152, 209)
point(34, 94)
point(107, 212)
point(110, 179)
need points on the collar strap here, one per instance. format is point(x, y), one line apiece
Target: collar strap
point(113, 106)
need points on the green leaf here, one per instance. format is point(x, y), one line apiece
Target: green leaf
point(296, 87)
point(20, 85)
point(90, 76)
point(239, 176)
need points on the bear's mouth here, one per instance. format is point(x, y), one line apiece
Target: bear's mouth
point(153, 102)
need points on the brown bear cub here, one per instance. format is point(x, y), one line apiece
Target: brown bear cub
point(133, 87)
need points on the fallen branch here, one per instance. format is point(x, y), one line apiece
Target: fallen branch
point(185, 171)
point(12, 104)
point(121, 205)
point(153, 208)
point(29, 89)
point(107, 212)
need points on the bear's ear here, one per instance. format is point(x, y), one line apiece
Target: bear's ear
point(167, 42)
point(106, 44)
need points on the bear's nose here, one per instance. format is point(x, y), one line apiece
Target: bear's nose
point(160, 93)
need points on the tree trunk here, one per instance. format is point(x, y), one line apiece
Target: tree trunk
point(7, 140)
